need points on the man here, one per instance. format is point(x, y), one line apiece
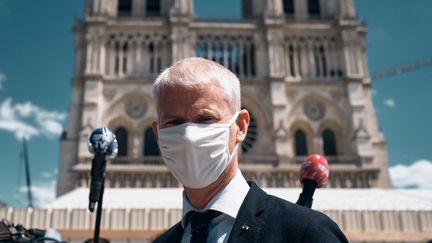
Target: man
point(199, 128)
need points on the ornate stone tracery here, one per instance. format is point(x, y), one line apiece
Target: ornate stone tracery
point(135, 107)
point(314, 110)
point(137, 54)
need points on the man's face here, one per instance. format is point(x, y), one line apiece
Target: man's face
point(198, 104)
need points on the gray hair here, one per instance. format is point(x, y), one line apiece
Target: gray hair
point(194, 71)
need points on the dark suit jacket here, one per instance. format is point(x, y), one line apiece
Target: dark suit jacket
point(265, 218)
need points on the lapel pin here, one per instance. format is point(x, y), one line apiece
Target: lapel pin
point(245, 227)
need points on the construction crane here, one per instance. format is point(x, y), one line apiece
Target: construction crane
point(24, 155)
point(397, 70)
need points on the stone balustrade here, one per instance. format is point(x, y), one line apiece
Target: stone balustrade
point(265, 175)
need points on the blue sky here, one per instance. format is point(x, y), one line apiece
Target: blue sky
point(36, 63)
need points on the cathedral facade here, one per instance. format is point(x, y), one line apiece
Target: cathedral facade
point(303, 74)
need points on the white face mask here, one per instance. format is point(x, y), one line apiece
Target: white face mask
point(196, 154)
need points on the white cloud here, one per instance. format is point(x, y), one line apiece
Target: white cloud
point(43, 193)
point(2, 80)
point(49, 174)
point(416, 175)
point(390, 103)
point(46, 174)
point(27, 120)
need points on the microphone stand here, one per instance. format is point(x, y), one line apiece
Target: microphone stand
point(97, 190)
point(99, 214)
point(102, 142)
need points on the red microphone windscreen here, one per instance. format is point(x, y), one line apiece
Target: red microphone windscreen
point(315, 168)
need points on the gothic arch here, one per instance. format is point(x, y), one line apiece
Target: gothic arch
point(137, 59)
point(122, 122)
point(329, 106)
point(333, 118)
point(124, 8)
point(339, 135)
point(142, 130)
point(117, 106)
point(305, 126)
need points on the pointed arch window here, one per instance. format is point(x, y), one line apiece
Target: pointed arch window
point(246, 9)
point(151, 147)
point(288, 7)
point(323, 61)
point(124, 8)
point(300, 142)
point(125, 57)
point(329, 142)
point(153, 8)
point(122, 140)
point(152, 58)
point(291, 60)
point(117, 58)
point(314, 9)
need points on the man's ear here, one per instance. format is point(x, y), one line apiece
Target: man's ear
point(155, 130)
point(242, 122)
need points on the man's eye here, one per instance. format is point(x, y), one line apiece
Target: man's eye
point(206, 120)
point(172, 123)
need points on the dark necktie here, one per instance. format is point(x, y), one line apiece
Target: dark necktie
point(199, 224)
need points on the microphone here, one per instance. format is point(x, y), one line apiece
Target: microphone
point(314, 174)
point(101, 142)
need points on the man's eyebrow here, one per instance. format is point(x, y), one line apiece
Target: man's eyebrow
point(172, 117)
point(207, 112)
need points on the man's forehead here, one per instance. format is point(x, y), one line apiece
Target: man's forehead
point(186, 85)
point(177, 91)
point(204, 100)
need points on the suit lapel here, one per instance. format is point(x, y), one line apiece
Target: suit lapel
point(248, 227)
point(175, 234)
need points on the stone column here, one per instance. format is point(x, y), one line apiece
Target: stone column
point(102, 57)
point(111, 7)
point(296, 61)
point(281, 133)
point(89, 52)
point(276, 53)
point(181, 8)
point(274, 9)
point(138, 59)
point(347, 9)
point(120, 60)
point(303, 55)
point(181, 37)
point(145, 66)
point(311, 74)
point(261, 58)
point(182, 46)
point(138, 8)
point(361, 138)
point(349, 48)
point(136, 150)
point(300, 9)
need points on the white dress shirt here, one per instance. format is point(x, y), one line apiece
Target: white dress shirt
point(228, 202)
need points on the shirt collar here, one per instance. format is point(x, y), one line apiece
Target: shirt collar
point(227, 201)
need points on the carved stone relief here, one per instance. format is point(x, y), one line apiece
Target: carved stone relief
point(314, 110)
point(135, 108)
point(109, 93)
